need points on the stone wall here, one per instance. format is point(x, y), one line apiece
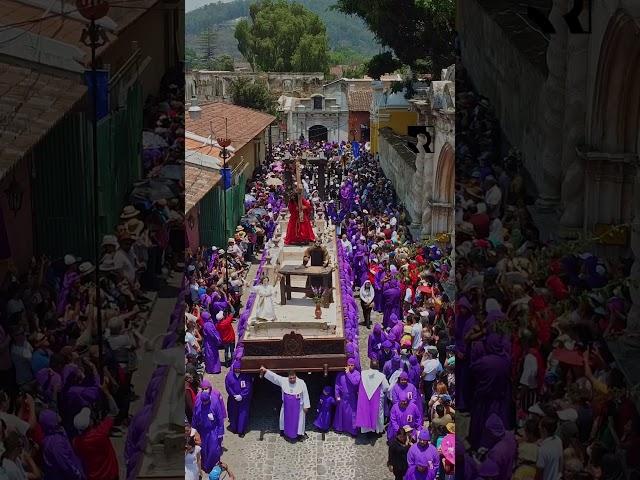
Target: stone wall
point(510, 81)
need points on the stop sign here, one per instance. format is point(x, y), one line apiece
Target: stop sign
point(93, 9)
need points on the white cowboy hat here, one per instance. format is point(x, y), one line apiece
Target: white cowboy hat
point(86, 268)
point(110, 240)
point(70, 260)
point(129, 212)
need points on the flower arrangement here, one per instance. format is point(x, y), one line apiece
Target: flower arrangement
point(318, 294)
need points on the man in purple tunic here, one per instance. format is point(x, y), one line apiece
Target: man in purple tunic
point(385, 354)
point(206, 424)
point(378, 280)
point(346, 196)
point(491, 377)
point(239, 388)
point(424, 454)
point(374, 344)
point(391, 366)
point(212, 342)
point(403, 413)
point(58, 458)
point(391, 296)
point(324, 412)
point(503, 447)
point(217, 405)
point(346, 394)
point(295, 402)
point(371, 399)
point(403, 386)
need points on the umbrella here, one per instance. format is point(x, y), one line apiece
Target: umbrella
point(175, 172)
point(153, 140)
point(274, 181)
point(448, 448)
point(151, 189)
point(570, 357)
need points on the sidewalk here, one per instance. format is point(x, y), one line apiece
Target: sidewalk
point(156, 324)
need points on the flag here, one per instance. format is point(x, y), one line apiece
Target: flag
point(102, 79)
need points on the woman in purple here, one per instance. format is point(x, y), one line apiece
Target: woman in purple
point(346, 394)
point(239, 387)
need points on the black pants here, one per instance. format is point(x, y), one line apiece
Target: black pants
point(366, 312)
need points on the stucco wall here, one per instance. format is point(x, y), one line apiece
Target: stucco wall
point(355, 120)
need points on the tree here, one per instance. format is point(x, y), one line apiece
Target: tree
point(246, 93)
point(420, 32)
point(381, 64)
point(206, 46)
point(283, 37)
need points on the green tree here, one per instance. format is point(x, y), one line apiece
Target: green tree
point(246, 93)
point(283, 37)
point(420, 32)
point(223, 62)
point(207, 46)
point(381, 64)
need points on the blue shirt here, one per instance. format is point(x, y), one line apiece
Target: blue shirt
point(39, 360)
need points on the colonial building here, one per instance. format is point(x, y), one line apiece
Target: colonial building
point(580, 136)
point(415, 141)
point(204, 193)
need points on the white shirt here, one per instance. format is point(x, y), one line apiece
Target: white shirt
point(432, 368)
point(408, 294)
point(550, 458)
point(14, 470)
point(367, 294)
point(529, 375)
point(416, 335)
point(191, 468)
point(123, 263)
point(190, 340)
point(14, 423)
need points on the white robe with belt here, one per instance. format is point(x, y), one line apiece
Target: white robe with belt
point(297, 388)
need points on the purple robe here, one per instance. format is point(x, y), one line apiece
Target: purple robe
point(410, 391)
point(423, 455)
point(58, 458)
point(238, 410)
point(378, 299)
point(360, 269)
point(324, 412)
point(208, 430)
point(415, 372)
point(212, 341)
point(346, 393)
point(374, 344)
point(391, 304)
point(414, 474)
point(291, 406)
point(368, 410)
point(69, 280)
point(491, 394)
point(346, 196)
point(399, 417)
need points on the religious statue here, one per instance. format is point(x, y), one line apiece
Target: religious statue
point(318, 255)
point(299, 228)
point(265, 295)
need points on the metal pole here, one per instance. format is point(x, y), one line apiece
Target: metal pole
point(224, 207)
point(96, 197)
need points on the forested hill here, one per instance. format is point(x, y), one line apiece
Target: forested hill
point(344, 32)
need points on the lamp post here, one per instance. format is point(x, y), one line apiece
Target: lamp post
point(94, 37)
point(224, 143)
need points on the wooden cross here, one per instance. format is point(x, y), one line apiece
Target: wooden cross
point(299, 188)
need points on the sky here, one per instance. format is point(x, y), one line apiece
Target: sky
point(193, 4)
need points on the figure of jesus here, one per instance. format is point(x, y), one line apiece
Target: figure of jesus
point(299, 228)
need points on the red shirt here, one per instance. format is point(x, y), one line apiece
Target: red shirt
point(96, 452)
point(225, 329)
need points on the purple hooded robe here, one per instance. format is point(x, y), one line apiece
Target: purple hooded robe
point(374, 344)
point(373, 386)
point(391, 297)
point(208, 430)
point(503, 447)
point(426, 455)
point(378, 278)
point(59, 461)
point(346, 394)
point(240, 384)
point(324, 412)
point(403, 415)
point(217, 405)
point(491, 393)
point(212, 342)
point(409, 389)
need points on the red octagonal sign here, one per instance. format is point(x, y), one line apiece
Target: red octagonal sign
point(93, 9)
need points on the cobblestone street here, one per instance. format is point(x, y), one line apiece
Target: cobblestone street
point(264, 455)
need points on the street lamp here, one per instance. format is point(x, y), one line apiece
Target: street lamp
point(95, 37)
point(226, 177)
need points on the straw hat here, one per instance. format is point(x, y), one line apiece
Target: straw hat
point(86, 268)
point(451, 427)
point(129, 212)
point(134, 228)
point(71, 260)
point(110, 240)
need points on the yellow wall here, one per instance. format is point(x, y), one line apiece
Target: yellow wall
point(398, 121)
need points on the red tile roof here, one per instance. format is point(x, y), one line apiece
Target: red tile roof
point(360, 100)
point(243, 124)
point(197, 183)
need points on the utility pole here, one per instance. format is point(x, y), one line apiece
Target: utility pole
point(95, 37)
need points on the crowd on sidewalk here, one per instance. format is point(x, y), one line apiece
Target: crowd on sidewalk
point(410, 353)
point(63, 395)
point(545, 396)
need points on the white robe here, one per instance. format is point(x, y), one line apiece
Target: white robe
point(298, 388)
point(265, 295)
point(371, 383)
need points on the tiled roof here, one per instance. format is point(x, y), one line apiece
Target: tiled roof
point(360, 100)
point(195, 146)
point(243, 124)
point(197, 183)
point(31, 103)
